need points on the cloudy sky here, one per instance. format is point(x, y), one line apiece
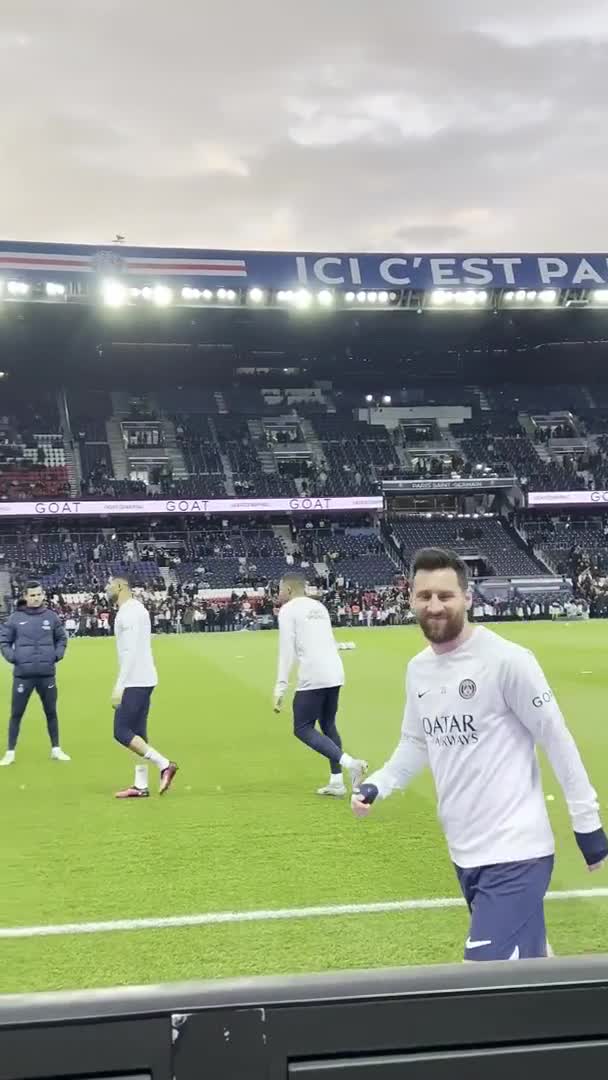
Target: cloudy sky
point(449, 125)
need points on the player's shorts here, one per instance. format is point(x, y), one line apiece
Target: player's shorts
point(506, 902)
point(131, 716)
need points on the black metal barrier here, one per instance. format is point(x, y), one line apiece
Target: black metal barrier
point(466, 1022)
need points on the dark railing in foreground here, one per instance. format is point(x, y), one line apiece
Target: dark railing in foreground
point(464, 1022)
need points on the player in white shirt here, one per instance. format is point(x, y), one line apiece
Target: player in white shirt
point(306, 637)
point(476, 707)
point(134, 686)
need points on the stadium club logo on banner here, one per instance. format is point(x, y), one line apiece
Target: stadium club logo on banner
point(284, 270)
point(80, 507)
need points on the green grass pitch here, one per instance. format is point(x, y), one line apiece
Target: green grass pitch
point(243, 829)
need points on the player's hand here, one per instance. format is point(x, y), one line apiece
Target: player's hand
point(594, 848)
point(116, 699)
point(278, 703)
point(358, 805)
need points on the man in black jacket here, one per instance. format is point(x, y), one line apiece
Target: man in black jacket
point(33, 641)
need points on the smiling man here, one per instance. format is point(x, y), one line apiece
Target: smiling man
point(476, 707)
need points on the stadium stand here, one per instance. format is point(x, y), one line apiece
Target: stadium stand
point(240, 440)
point(354, 555)
point(530, 398)
point(72, 562)
point(89, 412)
point(356, 454)
point(515, 455)
point(33, 462)
point(245, 468)
point(22, 483)
point(231, 557)
point(565, 541)
point(196, 439)
point(241, 399)
point(488, 540)
point(199, 447)
point(211, 572)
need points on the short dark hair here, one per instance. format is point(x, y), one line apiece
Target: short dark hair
point(30, 586)
point(429, 559)
point(294, 577)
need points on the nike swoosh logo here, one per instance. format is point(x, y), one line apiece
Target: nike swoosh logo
point(424, 693)
point(476, 944)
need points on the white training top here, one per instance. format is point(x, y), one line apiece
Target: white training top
point(134, 646)
point(474, 715)
point(306, 636)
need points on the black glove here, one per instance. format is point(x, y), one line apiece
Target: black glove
point(367, 793)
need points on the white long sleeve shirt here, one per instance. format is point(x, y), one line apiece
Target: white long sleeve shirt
point(306, 637)
point(474, 716)
point(134, 646)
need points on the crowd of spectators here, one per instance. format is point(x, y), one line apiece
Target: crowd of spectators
point(352, 553)
point(173, 610)
point(182, 610)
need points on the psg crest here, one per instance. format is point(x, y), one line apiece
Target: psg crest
point(105, 262)
point(467, 689)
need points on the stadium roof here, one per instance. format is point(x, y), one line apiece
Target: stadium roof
point(117, 275)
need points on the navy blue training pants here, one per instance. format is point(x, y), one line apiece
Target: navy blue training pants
point(46, 688)
point(310, 707)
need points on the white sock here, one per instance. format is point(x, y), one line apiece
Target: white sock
point(336, 779)
point(141, 777)
point(346, 761)
point(156, 758)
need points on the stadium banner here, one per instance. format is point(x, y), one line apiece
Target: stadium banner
point(405, 487)
point(86, 508)
point(289, 270)
point(567, 498)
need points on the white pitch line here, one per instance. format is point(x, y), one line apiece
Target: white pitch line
point(272, 915)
